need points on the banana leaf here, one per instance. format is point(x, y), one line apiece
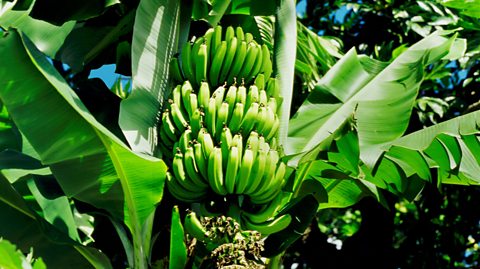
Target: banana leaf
point(89, 162)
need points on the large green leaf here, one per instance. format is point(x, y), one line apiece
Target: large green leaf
point(47, 37)
point(375, 98)
point(89, 162)
point(284, 60)
point(20, 225)
point(155, 38)
point(178, 249)
point(252, 7)
point(13, 258)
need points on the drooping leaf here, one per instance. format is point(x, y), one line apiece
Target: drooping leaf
point(284, 60)
point(89, 162)
point(70, 10)
point(368, 95)
point(155, 38)
point(469, 8)
point(178, 249)
point(252, 7)
point(47, 37)
point(26, 229)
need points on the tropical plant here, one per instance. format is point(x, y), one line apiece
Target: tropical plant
point(84, 167)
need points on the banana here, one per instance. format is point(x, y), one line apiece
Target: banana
point(225, 144)
point(272, 103)
point(169, 126)
point(236, 119)
point(268, 123)
point(203, 95)
point(268, 174)
point(242, 94)
point(237, 141)
point(273, 187)
point(248, 37)
point(165, 139)
point(273, 130)
point(260, 81)
point(215, 172)
point(252, 52)
point(229, 56)
point(194, 58)
point(263, 99)
point(252, 95)
point(181, 176)
point(219, 94)
point(256, 175)
point(265, 196)
point(186, 90)
point(230, 98)
point(239, 33)
point(216, 65)
point(245, 170)
point(249, 119)
point(201, 64)
point(216, 40)
point(273, 87)
point(206, 141)
point(178, 117)
point(233, 165)
point(262, 144)
point(210, 116)
point(267, 66)
point(267, 211)
point(200, 159)
point(268, 227)
point(253, 142)
point(257, 66)
point(191, 168)
point(182, 194)
point(174, 69)
point(229, 33)
point(177, 95)
point(185, 139)
point(261, 118)
point(237, 62)
point(221, 120)
point(193, 103)
point(186, 62)
point(196, 122)
point(193, 226)
point(208, 41)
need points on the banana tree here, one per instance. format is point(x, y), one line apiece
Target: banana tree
point(64, 161)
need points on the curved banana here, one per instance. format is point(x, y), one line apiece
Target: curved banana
point(272, 103)
point(268, 227)
point(268, 123)
point(273, 130)
point(230, 98)
point(236, 119)
point(253, 142)
point(237, 62)
point(267, 211)
point(239, 33)
point(215, 172)
point(245, 171)
point(216, 40)
point(174, 69)
point(242, 95)
point(182, 194)
point(178, 117)
point(210, 116)
point(191, 168)
point(177, 95)
point(208, 41)
point(200, 159)
point(218, 95)
point(201, 64)
point(186, 90)
point(257, 66)
point(268, 174)
point(249, 119)
point(165, 140)
point(267, 67)
point(185, 140)
point(225, 144)
point(229, 56)
point(263, 99)
point(203, 95)
point(169, 126)
point(252, 52)
point(196, 121)
point(260, 81)
point(273, 87)
point(206, 141)
point(252, 96)
point(237, 141)
point(233, 164)
point(181, 176)
point(256, 175)
point(185, 56)
point(217, 63)
point(221, 120)
point(261, 118)
point(248, 37)
point(193, 226)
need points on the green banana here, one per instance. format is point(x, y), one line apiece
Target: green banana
point(237, 62)
point(245, 170)
point(261, 118)
point(193, 226)
point(233, 164)
point(225, 144)
point(191, 168)
point(216, 65)
point(201, 64)
point(174, 70)
point(216, 40)
point(215, 172)
point(260, 81)
point(180, 174)
point(268, 123)
point(219, 94)
point(185, 139)
point(196, 121)
point(167, 153)
point(252, 96)
point(273, 87)
point(241, 95)
point(186, 90)
point(182, 194)
point(256, 175)
point(252, 52)
point(253, 142)
point(208, 41)
point(177, 95)
point(165, 139)
point(200, 159)
point(210, 116)
point(262, 144)
point(268, 174)
point(230, 99)
point(169, 126)
point(203, 95)
point(267, 67)
point(221, 120)
point(250, 118)
point(229, 56)
point(236, 119)
point(267, 211)
point(229, 33)
point(178, 117)
point(248, 37)
point(206, 141)
point(272, 103)
point(257, 65)
point(186, 55)
point(268, 227)
point(262, 97)
point(273, 130)
point(237, 141)
point(239, 33)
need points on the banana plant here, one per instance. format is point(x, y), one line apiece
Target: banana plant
point(346, 141)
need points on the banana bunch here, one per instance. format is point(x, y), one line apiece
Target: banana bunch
point(219, 58)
